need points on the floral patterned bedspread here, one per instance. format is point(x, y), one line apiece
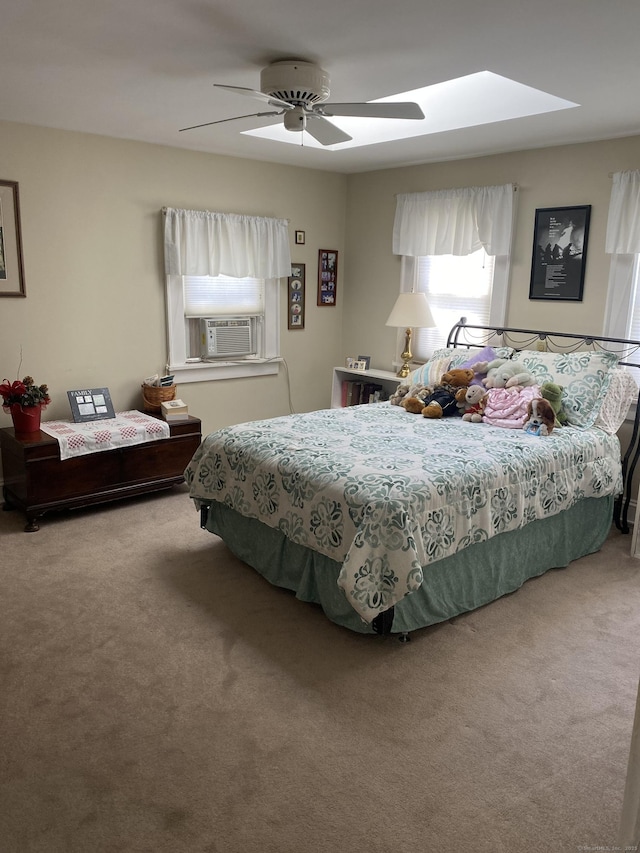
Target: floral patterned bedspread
point(386, 493)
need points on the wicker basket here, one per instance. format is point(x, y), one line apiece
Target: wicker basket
point(153, 395)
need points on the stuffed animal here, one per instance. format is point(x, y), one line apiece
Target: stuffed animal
point(474, 398)
point(508, 374)
point(440, 404)
point(406, 391)
point(399, 394)
point(459, 377)
point(541, 417)
point(553, 394)
point(416, 402)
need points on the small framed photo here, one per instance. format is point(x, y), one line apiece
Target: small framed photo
point(327, 276)
point(295, 297)
point(356, 364)
point(559, 253)
point(90, 404)
point(366, 359)
point(299, 238)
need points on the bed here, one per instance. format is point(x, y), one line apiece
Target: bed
point(392, 522)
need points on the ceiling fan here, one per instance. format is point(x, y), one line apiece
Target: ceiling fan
point(299, 90)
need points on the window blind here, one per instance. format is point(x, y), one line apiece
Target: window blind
point(456, 286)
point(222, 296)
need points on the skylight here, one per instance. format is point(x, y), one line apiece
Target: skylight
point(476, 99)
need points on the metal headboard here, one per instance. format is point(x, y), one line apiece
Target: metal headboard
point(463, 335)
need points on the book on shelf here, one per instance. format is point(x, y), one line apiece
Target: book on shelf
point(174, 410)
point(355, 393)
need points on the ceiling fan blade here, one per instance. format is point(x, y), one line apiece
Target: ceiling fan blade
point(253, 93)
point(392, 109)
point(235, 118)
point(324, 131)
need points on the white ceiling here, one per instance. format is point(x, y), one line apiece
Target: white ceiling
point(142, 69)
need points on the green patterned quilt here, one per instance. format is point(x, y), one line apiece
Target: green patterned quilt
point(387, 494)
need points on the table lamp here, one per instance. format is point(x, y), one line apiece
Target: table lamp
point(411, 309)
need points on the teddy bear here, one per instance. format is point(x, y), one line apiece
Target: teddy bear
point(440, 404)
point(399, 394)
point(503, 373)
point(474, 399)
point(405, 391)
point(459, 377)
point(442, 401)
point(552, 392)
point(415, 400)
point(540, 417)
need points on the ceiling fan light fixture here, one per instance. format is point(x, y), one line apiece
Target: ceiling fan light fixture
point(295, 120)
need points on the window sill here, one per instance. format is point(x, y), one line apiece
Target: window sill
point(206, 371)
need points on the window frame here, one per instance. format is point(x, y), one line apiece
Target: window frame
point(265, 364)
point(499, 292)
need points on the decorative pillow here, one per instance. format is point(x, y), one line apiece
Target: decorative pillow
point(622, 393)
point(447, 358)
point(584, 375)
point(486, 354)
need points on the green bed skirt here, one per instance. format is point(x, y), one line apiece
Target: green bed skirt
point(457, 584)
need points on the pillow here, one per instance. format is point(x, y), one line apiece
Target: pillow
point(584, 375)
point(447, 358)
point(486, 354)
point(622, 393)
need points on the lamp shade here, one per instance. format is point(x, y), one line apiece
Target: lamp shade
point(411, 309)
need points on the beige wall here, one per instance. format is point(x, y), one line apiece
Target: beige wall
point(549, 177)
point(94, 312)
point(91, 223)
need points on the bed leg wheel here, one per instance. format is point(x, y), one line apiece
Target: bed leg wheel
point(404, 637)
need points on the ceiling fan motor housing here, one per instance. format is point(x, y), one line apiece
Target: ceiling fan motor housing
point(298, 82)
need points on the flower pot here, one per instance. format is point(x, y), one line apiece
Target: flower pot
point(26, 418)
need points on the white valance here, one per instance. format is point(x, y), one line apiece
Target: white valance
point(623, 226)
point(454, 221)
point(198, 242)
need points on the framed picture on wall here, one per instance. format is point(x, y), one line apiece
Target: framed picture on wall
point(295, 297)
point(11, 264)
point(327, 276)
point(559, 253)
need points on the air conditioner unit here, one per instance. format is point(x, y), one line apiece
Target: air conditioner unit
point(227, 338)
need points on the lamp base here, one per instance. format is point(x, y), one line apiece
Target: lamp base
point(406, 356)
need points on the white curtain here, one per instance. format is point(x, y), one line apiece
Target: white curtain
point(454, 221)
point(198, 242)
point(623, 226)
point(623, 244)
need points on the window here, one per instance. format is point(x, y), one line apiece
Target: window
point(622, 315)
point(223, 265)
point(226, 299)
point(456, 246)
point(191, 298)
point(456, 286)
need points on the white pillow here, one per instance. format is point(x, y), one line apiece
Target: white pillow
point(584, 375)
point(622, 393)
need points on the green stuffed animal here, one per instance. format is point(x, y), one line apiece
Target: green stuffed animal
point(553, 394)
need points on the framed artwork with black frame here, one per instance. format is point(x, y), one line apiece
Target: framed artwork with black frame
point(327, 276)
point(559, 253)
point(296, 294)
point(11, 263)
